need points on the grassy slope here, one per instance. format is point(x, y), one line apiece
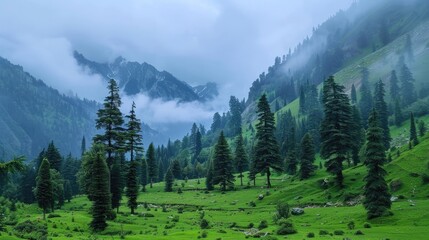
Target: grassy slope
point(408, 222)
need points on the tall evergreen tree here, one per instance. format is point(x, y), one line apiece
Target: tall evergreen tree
point(132, 191)
point(394, 87)
point(44, 192)
point(335, 128)
point(398, 113)
point(408, 93)
point(54, 156)
point(302, 103)
point(152, 168)
point(240, 157)
point(176, 169)
point(217, 122)
point(365, 102)
point(377, 198)
point(413, 132)
point(101, 200)
point(116, 182)
point(83, 146)
point(222, 164)
point(235, 122)
point(307, 157)
point(169, 180)
point(67, 191)
point(110, 119)
point(266, 150)
point(144, 175)
point(133, 135)
point(291, 162)
point(209, 177)
point(353, 95)
point(357, 134)
point(381, 108)
point(422, 128)
point(198, 145)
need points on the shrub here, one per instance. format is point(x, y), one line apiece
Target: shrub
point(234, 224)
point(358, 232)
point(263, 224)
point(180, 210)
point(31, 230)
point(282, 211)
point(351, 225)
point(179, 191)
point(146, 215)
point(338, 232)
point(367, 225)
point(204, 234)
point(250, 225)
point(323, 232)
point(204, 224)
point(285, 227)
point(252, 204)
point(175, 219)
point(395, 185)
point(425, 178)
point(310, 235)
point(53, 215)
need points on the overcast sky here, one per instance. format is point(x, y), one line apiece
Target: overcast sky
point(228, 42)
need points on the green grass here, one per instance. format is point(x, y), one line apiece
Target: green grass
point(222, 210)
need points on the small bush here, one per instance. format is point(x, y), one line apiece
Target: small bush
point(252, 204)
point(175, 219)
point(323, 232)
point(425, 178)
point(263, 224)
point(204, 224)
point(180, 210)
point(179, 191)
point(285, 227)
point(338, 232)
point(282, 211)
point(359, 232)
point(367, 225)
point(232, 225)
point(250, 225)
point(31, 230)
point(204, 234)
point(351, 225)
point(53, 215)
point(395, 185)
point(146, 215)
point(54, 225)
point(310, 235)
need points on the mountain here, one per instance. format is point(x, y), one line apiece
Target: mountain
point(134, 77)
point(32, 114)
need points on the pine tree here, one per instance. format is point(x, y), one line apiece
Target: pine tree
point(353, 95)
point(302, 104)
point(198, 145)
point(266, 150)
point(240, 157)
point(133, 134)
point(422, 128)
point(307, 157)
point(67, 191)
point(116, 183)
point(357, 134)
point(176, 169)
point(83, 146)
point(335, 128)
point(407, 86)
point(132, 191)
point(365, 102)
point(291, 162)
point(169, 180)
point(222, 164)
point(152, 168)
point(216, 125)
point(209, 177)
point(44, 193)
point(377, 198)
point(143, 176)
point(413, 133)
point(54, 156)
point(381, 108)
point(394, 88)
point(110, 119)
point(235, 122)
point(101, 200)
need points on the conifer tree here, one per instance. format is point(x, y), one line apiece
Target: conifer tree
point(240, 157)
point(110, 119)
point(335, 128)
point(116, 183)
point(132, 191)
point(377, 198)
point(198, 145)
point(302, 104)
point(235, 121)
point(353, 95)
point(44, 192)
point(83, 146)
point(357, 134)
point(216, 125)
point(222, 164)
point(169, 180)
point(381, 108)
point(266, 149)
point(291, 162)
point(101, 200)
point(413, 133)
point(67, 191)
point(53, 156)
point(209, 177)
point(422, 128)
point(152, 168)
point(394, 87)
point(176, 169)
point(133, 134)
point(365, 102)
point(143, 176)
point(408, 94)
point(307, 157)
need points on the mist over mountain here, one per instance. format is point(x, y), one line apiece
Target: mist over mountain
point(134, 78)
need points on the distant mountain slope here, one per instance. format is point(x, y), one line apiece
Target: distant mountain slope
point(32, 114)
point(134, 77)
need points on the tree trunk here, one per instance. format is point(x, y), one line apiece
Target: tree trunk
point(150, 182)
point(44, 213)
